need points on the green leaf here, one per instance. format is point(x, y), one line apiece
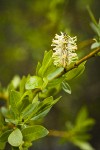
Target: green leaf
point(15, 81)
point(44, 107)
point(92, 16)
point(83, 145)
point(82, 115)
point(55, 73)
point(38, 67)
point(29, 109)
point(66, 87)
point(4, 136)
point(42, 114)
point(34, 132)
point(45, 82)
point(22, 85)
point(95, 45)
point(14, 99)
point(75, 72)
point(47, 61)
point(83, 122)
point(15, 138)
point(34, 82)
point(96, 28)
point(55, 82)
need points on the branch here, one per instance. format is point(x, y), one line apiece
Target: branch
point(90, 55)
point(57, 133)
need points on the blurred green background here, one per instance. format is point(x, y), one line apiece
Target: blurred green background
point(26, 31)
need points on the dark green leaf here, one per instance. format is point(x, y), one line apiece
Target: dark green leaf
point(34, 132)
point(75, 72)
point(2, 145)
point(4, 136)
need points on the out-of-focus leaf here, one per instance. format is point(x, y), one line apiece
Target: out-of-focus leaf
point(92, 16)
point(16, 81)
point(96, 28)
point(2, 145)
point(83, 145)
point(82, 115)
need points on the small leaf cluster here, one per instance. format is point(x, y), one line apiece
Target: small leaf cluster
point(28, 100)
point(77, 132)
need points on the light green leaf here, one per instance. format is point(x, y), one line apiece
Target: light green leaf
point(38, 67)
point(15, 138)
point(95, 45)
point(66, 87)
point(34, 82)
point(16, 81)
point(34, 132)
point(14, 99)
point(45, 82)
point(47, 61)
